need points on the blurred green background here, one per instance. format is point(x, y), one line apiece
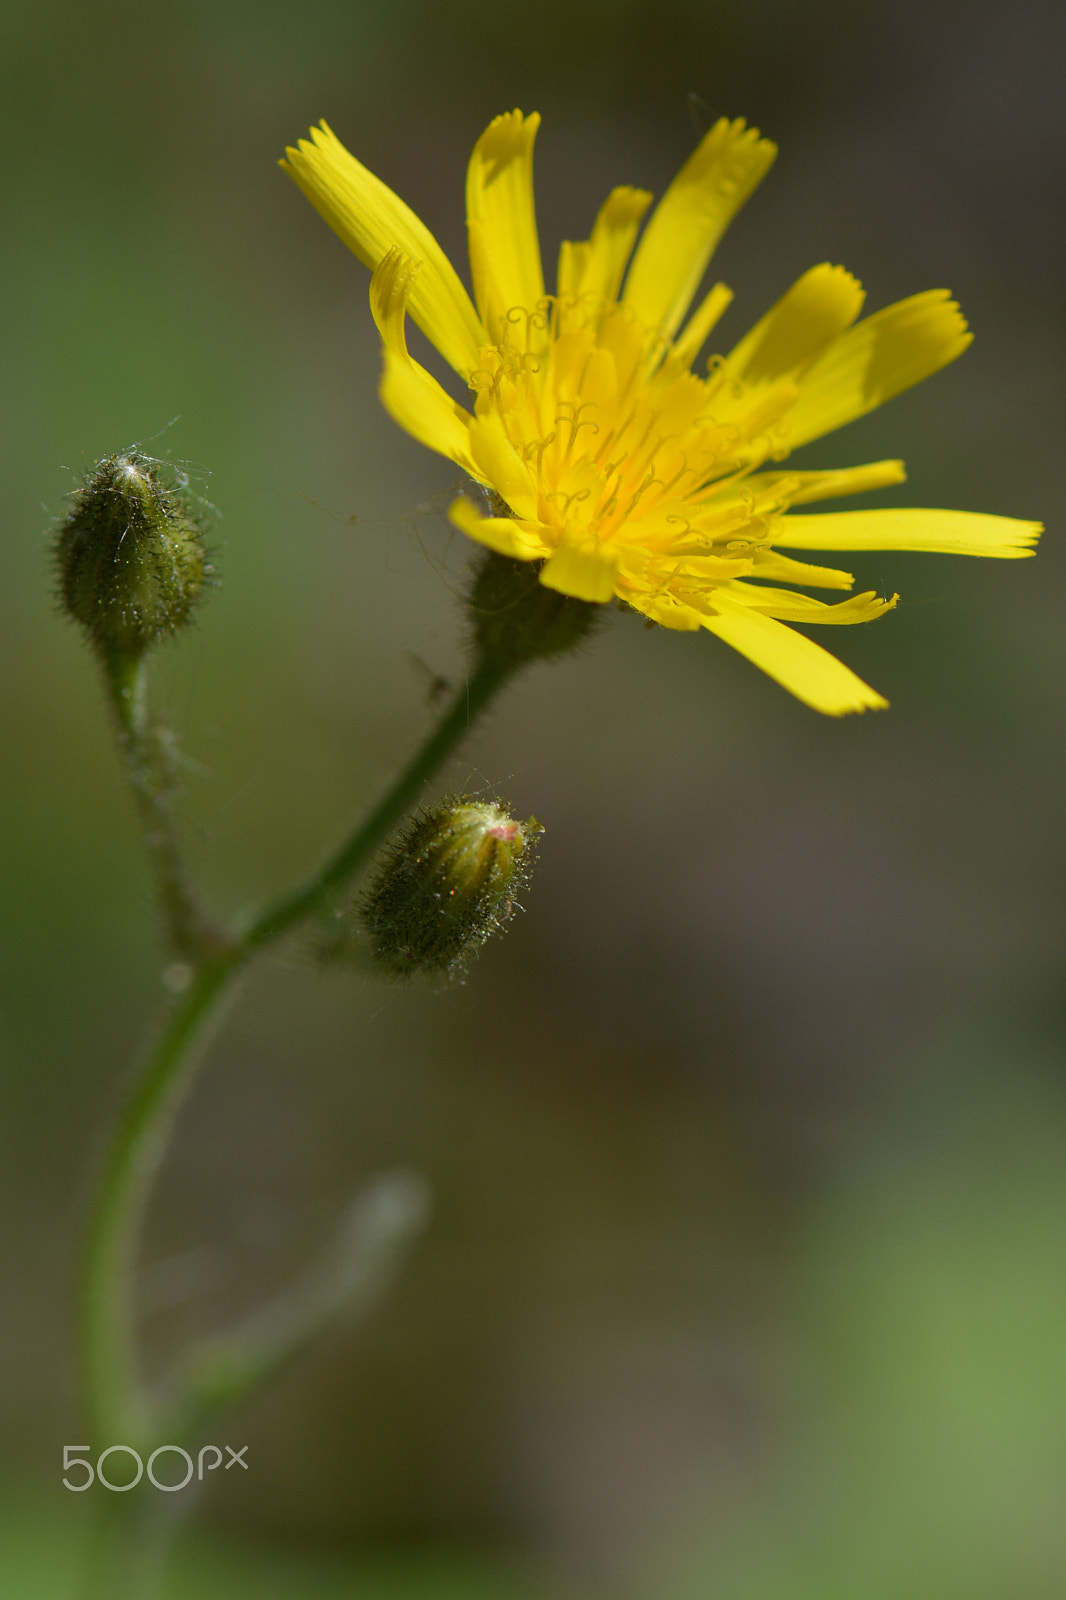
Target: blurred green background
point(747, 1275)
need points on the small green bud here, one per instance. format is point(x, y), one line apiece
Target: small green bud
point(131, 556)
point(446, 885)
point(516, 619)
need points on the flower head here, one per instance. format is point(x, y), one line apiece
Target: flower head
point(610, 460)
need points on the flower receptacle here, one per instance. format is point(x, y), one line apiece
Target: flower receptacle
point(516, 619)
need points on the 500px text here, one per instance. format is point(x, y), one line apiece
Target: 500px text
point(77, 1456)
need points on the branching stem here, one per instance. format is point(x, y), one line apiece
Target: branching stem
point(120, 1406)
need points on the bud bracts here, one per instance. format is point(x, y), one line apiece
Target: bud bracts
point(131, 556)
point(515, 619)
point(446, 885)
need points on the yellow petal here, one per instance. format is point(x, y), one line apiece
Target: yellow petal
point(771, 564)
point(372, 220)
point(690, 219)
point(790, 607)
point(621, 334)
point(499, 464)
point(875, 360)
point(667, 610)
point(831, 485)
point(796, 662)
point(571, 269)
point(505, 535)
point(817, 308)
point(585, 573)
point(596, 267)
point(753, 413)
point(693, 335)
point(410, 395)
point(959, 533)
point(505, 253)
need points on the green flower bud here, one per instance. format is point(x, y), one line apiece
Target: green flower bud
point(516, 619)
point(131, 556)
point(447, 883)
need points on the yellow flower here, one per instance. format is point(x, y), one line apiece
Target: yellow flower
point(607, 458)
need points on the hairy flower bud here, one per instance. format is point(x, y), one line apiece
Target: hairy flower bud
point(131, 556)
point(446, 885)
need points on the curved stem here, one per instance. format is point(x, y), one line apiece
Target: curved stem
point(119, 1405)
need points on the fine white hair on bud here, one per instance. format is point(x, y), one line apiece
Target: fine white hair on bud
point(445, 885)
point(131, 556)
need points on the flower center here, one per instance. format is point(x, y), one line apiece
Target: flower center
point(622, 443)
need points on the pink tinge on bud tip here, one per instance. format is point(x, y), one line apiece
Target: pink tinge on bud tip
point(507, 831)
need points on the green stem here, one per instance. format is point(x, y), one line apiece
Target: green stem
point(129, 1542)
point(120, 1408)
point(468, 704)
point(189, 929)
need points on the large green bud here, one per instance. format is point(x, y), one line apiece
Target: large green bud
point(446, 884)
point(131, 556)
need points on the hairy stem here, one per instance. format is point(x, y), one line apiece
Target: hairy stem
point(149, 763)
